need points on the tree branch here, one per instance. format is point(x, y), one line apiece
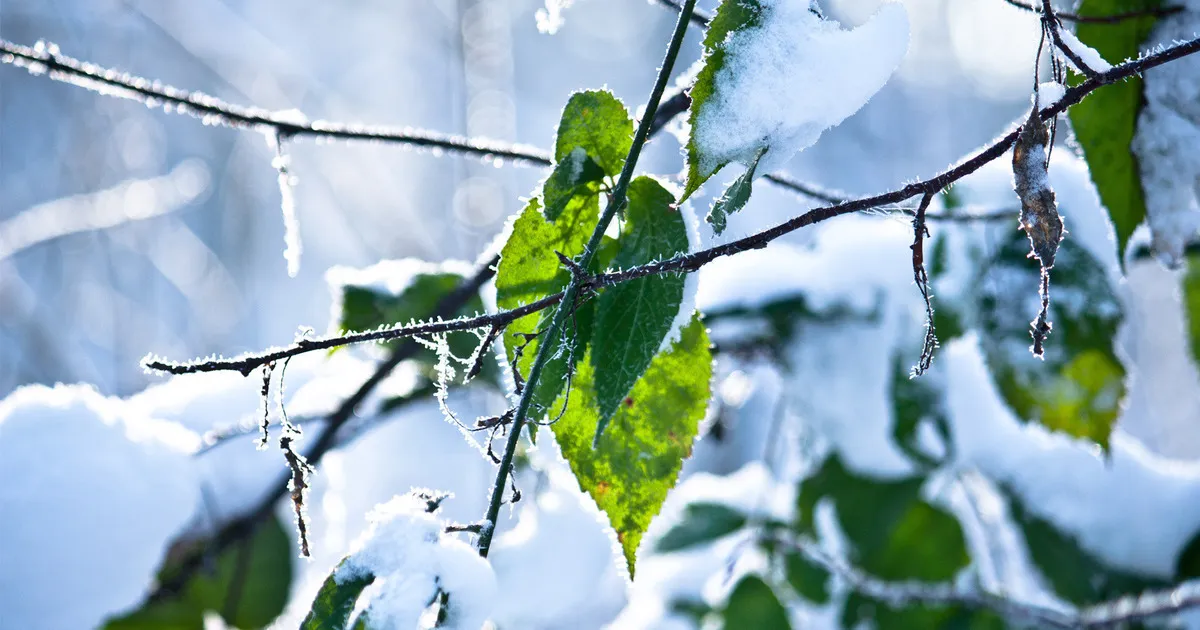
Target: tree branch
point(46, 59)
point(694, 261)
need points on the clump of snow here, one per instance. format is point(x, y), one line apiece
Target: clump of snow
point(287, 202)
point(1085, 53)
point(92, 497)
point(411, 557)
point(1168, 133)
point(550, 19)
point(787, 80)
point(1049, 93)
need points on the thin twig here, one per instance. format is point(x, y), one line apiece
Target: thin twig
point(616, 203)
point(1115, 18)
point(921, 278)
point(46, 59)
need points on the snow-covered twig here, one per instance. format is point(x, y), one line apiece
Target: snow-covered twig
point(693, 261)
point(46, 59)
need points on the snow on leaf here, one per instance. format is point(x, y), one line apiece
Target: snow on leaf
point(529, 270)
point(776, 75)
point(1168, 131)
point(637, 460)
point(1104, 122)
point(634, 317)
point(335, 601)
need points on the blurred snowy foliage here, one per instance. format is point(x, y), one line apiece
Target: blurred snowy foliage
point(125, 230)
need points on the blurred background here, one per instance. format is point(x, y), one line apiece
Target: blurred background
point(125, 230)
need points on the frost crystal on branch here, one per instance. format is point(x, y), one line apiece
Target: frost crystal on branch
point(287, 202)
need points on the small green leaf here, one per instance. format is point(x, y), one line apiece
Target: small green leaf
point(732, 15)
point(734, 198)
point(633, 318)
point(1104, 123)
point(529, 270)
point(809, 579)
point(1078, 387)
point(264, 574)
point(335, 601)
point(597, 121)
point(637, 460)
point(575, 178)
point(754, 605)
point(702, 523)
point(1074, 573)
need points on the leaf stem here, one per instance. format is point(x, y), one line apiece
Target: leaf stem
point(618, 201)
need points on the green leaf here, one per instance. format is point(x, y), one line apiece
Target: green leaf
point(637, 461)
point(633, 318)
point(1191, 303)
point(1104, 123)
point(1074, 573)
point(732, 15)
point(573, 179)
point(265, 580)
point(597, 121)
point(335, 601)
point(529, 270)
point(367, 308)
point(810, 580)
point(1078, 387)
point(734, 198)
point(754, 605)
point(894, 534)
point(702, 523)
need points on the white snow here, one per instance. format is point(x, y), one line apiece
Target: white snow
point(792, 77)
point(411, 558)
point(550, 18)
point(92, 497)
point(1168, 133)
point(1050, 92)
point(1086, 54)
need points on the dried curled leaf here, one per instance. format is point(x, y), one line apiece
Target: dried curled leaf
point(1039, 211)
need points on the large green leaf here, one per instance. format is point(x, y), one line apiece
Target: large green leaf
point(702, 523)
point(637, 460)
point(335, 601)
point(753, 604)
point(248, 588)
point(731, 16)
point(893, 533)
point(529, 270)
point(599, 123)
point(1077, 388)
point(633, 318)
point(1105, 121)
